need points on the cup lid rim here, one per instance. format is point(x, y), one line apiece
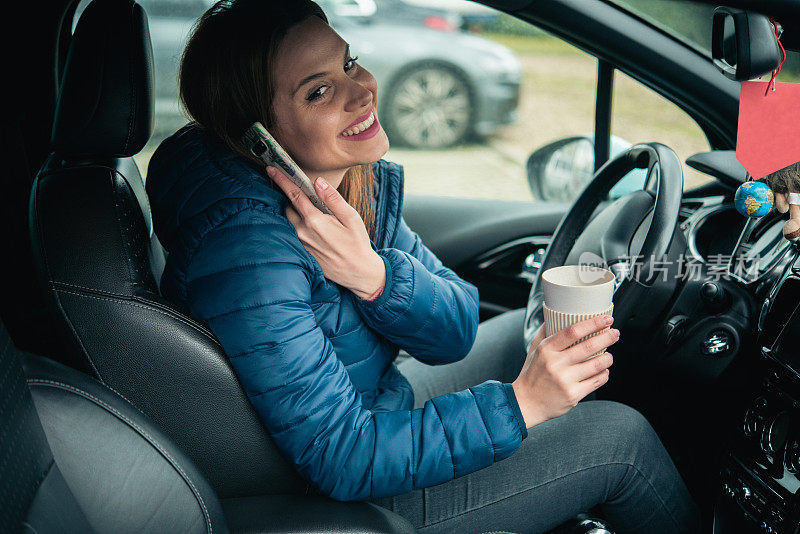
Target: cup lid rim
point(608, 276)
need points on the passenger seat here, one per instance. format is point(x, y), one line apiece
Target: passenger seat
point(77, 457)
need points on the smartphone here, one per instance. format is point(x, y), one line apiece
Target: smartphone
point(261, 143)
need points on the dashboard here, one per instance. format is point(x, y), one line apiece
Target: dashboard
point(759, 478)
point(745, 301)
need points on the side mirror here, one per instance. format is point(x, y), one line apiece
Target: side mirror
point(743, 44)
point(559, 171)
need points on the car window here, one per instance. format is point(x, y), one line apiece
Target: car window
point(545, 150)
point(467, 95)
point(688, 21)
point(641, 115)
point(691, 23)
point(543, 91)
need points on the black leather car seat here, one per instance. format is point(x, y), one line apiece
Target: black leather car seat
point(98, 261)
point(77, 457)
point(109, 469)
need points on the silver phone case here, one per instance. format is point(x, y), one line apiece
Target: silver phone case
point(261, 143)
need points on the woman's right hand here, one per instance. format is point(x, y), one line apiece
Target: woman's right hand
point(555, 376)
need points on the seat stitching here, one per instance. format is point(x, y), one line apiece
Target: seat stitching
point(120, 224)
point(150, 308)
point(124, 299)
point(95, 290)
point(132, 424)
point(77, 337)
point(89, 359)
point(157, 305)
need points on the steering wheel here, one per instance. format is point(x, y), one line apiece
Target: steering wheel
point(641, 224)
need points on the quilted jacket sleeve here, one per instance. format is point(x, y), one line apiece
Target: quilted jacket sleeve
point(249, 282)
point(425, 308)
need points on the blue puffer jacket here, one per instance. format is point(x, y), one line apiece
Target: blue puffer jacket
point(316, 361)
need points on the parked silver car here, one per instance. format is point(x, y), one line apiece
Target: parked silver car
point(437, 87)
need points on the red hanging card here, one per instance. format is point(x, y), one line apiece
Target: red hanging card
point(769, 127)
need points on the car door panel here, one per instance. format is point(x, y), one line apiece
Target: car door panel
point(493, 244)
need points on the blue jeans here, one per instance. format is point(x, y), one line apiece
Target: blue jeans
point(599, 453)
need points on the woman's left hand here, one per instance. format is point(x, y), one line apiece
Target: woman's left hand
point(339, 242)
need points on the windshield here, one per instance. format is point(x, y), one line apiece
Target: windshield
point(690, 22)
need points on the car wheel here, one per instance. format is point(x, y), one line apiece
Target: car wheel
point(429, 106)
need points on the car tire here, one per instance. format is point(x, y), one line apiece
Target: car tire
point(429, 105)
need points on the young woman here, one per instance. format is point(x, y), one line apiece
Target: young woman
point(312, 308)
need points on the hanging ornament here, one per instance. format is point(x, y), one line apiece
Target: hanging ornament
point(754, 199)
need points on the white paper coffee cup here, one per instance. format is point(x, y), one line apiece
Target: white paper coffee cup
point(555, 321)
point(581, 289)
point(573, 293)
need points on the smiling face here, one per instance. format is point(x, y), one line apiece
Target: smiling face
point(325, 104)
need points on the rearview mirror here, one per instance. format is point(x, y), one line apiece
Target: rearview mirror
point(743, 44)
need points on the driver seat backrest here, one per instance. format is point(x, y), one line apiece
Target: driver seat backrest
point(98, 262)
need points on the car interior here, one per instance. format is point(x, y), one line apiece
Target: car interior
point(121, 413)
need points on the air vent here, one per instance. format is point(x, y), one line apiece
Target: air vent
point(688, 208)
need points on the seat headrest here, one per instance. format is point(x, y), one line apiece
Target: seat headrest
point(105, 104)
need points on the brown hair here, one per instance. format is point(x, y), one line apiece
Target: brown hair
point(226, 83)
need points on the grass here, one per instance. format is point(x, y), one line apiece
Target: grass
point(543, 44)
